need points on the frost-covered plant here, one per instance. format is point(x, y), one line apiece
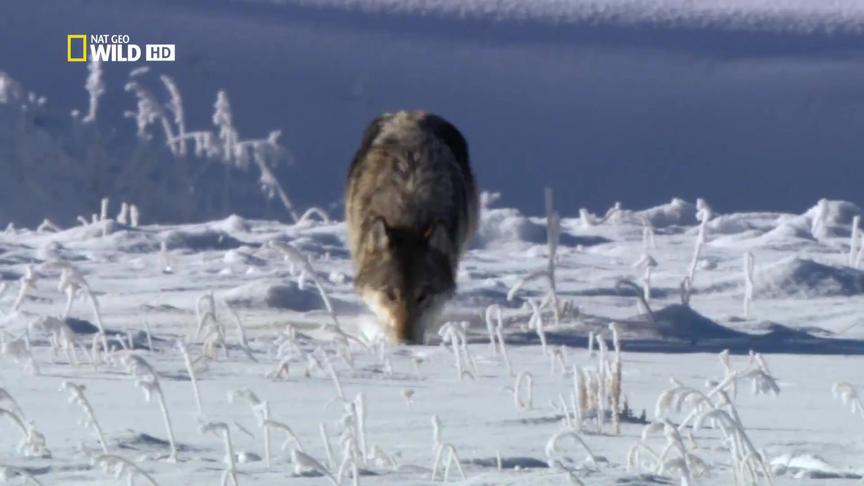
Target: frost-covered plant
point(27, 283)
point(149, 111)
point(557, 460)
point(492, 310)
point(686, 289)
point(648, 241)
point(598, 389)
point(615, 379)
point(261, 411)
point(853, 240)
point(553, 235)
point(47, 227)
point(263, 152)
point(123, 215)
point(60, 336)
point(438, 449)
point(147, 380)
point(187, 361)
point(76, 396)
point(536, 322)
point(209, 327)
point(73, 284)
point(175, 107)
point(818, 226)
point(847, 393)
point(703, 214)
point(640, 297)
point(241, 333)
point(32, 443)
point(134, 216)
point(103, 209)
point(647, 264)
point(18, 350)
point(288, 350)
point(291, 439)
point(495, 329)
point(304, 463)
point(302, 269)
point(229, 476)
point(453, 333)
point(748, 283)
point(313, 212)
point(165, 258)
point(589, 219)
point(352, 438)
point(119, 468)
point(452, 458)
point(714, 408)
point(523, 399)
point(673, 458)
point(95, 87)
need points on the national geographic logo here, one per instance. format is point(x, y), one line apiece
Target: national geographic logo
point(114, 48)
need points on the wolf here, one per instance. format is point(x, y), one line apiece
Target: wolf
point(411, 210)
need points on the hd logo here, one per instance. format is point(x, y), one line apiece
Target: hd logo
point(114, 48)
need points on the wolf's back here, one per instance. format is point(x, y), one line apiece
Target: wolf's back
point(412, 170)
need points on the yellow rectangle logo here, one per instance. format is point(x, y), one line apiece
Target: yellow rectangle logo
point(69, 47)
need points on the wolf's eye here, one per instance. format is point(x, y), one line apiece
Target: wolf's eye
point(391, 294)
point(421, 297)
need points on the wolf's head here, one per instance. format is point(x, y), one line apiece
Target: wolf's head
point(405, 277)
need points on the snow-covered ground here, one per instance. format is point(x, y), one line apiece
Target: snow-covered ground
point(804, 318)
point(751, 104)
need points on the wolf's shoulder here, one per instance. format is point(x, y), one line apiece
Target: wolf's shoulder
point(407, 130)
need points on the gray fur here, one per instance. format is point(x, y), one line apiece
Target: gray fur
point(412, 209)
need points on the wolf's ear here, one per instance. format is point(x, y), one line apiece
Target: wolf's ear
point(379, 237)
point(436, 237)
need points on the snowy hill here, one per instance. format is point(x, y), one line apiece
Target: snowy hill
point(633, 101)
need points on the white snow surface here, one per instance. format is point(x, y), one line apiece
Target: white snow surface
point(807, 435)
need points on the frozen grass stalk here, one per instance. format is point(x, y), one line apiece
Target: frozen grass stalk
point(748, 283)
point(187, 361)
point(229, 476)
point(123, 215)
point(492, 310)
point(703, 214)
point(302, 268)
point(647, 264)
point(558, 461)
point(72, 283)
point(553, 234)
point(648, 242)
point(95, 87)
point(76, 396)
point(103, 209)
point(27, 283)
point(134, 216)
point(453, 333)
point(524, 381)
point(452, 458)
point(849, 396)
point(32, 443)
point(147, 379)
point(261, 411)
point(120, 467)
